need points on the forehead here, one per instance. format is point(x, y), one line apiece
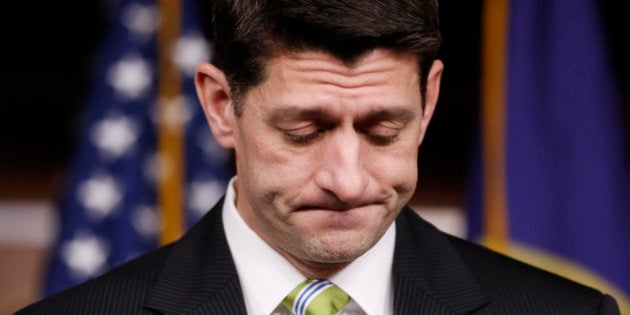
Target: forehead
point(382, 75)
point(320, 63)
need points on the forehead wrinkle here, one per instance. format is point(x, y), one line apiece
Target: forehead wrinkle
point(344, 80)
point(319, 68)
point(292, 76)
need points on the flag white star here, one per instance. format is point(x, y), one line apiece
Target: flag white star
point(85, 255)
point(204, 194)
point(100, 195)
point(191, 50)
point(131, 77)
point(161, 167)
point(176, 112)
point(146, 221)
point(141, 20)
point(115, 135)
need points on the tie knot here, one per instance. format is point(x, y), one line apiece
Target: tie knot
point(316, 297)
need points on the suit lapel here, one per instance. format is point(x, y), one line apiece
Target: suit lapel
point(430, 277)
point(199, 276)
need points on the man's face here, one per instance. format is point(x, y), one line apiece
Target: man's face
point(326, 154)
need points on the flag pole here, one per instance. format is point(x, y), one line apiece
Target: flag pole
point(170, 132)
point(493, 123)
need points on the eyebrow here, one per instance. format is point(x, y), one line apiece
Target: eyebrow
point(398, 113)
point(292, 112)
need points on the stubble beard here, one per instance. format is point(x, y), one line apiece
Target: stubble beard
point(332, 249)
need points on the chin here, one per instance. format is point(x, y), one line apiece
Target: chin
point(339, 247)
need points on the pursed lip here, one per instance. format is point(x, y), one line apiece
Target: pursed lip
point(319, 208)
point(336, 218)
point(336, 208)
point(341, 206)
point(346, 217)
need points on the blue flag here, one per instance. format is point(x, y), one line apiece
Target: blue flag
point(108, 208)
point(567, 178)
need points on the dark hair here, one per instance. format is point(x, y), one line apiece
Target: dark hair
point(246, 33)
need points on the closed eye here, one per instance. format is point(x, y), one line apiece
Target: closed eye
point(381, 139)
point(381, 132)
point(384, 127)
point(307, 132)
point(303, 138)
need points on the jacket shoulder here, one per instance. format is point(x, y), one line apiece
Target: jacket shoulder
point(516, 285)
point(121, 290)
point(447, 265)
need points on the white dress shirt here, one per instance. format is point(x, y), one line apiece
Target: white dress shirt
point(266, 277)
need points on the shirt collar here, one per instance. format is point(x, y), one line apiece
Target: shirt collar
point(266, 277)
point(368, 279)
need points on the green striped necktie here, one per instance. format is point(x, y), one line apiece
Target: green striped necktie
point(316, 297)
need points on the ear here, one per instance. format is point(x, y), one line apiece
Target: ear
point(213, 92)
point(431, 95)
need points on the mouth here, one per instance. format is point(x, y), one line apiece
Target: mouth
point(337, 206)
point(340, 213)
point(325, 208)
point(334, 218)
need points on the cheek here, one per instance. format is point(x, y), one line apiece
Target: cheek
point(398, 159)
point(397, 168)
point(272, 161)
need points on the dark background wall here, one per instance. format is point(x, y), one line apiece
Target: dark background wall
point(44, 66)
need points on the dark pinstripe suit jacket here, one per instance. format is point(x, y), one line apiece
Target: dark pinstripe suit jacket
point(433, 273)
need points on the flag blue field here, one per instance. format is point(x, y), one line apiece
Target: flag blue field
point(567, 176)
point(109, 208)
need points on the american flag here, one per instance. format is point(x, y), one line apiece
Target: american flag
point(109, 208)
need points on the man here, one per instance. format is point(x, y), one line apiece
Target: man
point(325, 103)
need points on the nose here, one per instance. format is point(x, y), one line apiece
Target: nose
point(342, 169)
